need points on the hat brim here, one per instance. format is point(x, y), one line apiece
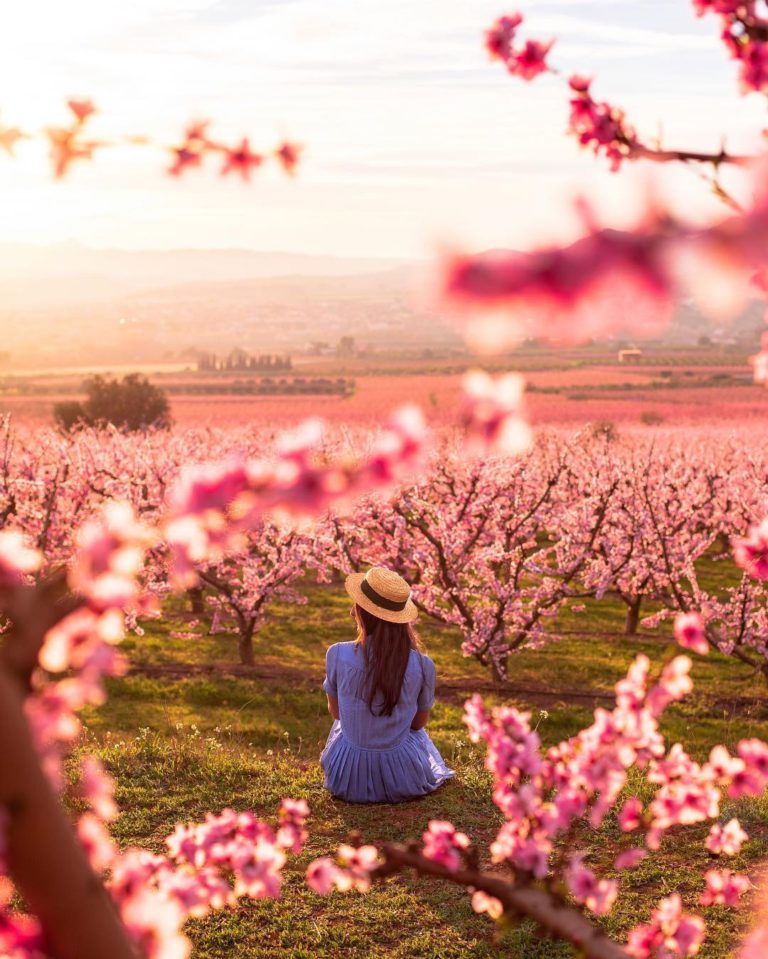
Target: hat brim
point(407, 615)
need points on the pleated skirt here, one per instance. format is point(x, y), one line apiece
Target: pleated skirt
point(412, 768)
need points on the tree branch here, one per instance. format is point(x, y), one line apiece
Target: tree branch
point(553, 915)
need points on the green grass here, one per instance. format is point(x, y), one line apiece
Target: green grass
point(182, 738)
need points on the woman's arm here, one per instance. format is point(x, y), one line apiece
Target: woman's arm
point(333, 706)
point(420, 719)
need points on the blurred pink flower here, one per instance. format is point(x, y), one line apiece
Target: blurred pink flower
point(690, 633)
point(726, 840)
point(241, 159)
point(751, 552)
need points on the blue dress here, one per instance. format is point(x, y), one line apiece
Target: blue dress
point(370, 758)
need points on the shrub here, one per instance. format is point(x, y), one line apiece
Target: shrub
point(651, 418)
point(132, 404)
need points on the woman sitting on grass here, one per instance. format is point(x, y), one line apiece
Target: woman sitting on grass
point(380, 690)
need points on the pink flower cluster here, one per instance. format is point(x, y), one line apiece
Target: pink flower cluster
point(526, 60)
point(492, 413)
point(751, 552)
point(726, 840)
point(745, 35)
point(607, 280)
point(350, 869)
point(209, 866)
point(598, 895)
point(599, 126)
point(690, 633)
point(564, 294)
point(240, 159)
point(670, 932)
point(17, 559)
point(443, 844)
point(69, 143)
point(724, 888)
point(213, 506)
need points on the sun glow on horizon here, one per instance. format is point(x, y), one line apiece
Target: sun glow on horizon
point(412, 138)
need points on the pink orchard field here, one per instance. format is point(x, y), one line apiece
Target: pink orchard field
point(555, 396)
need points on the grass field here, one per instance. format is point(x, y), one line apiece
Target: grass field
point(187, 731)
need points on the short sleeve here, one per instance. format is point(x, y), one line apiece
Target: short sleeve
point(330, 673)
point(427, 693)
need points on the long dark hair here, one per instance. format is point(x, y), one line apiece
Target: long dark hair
point(386, 650)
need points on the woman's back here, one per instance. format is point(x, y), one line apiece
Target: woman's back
point(363, 726)
point(380, 690)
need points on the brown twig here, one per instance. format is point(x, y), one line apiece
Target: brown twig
point(552, 914)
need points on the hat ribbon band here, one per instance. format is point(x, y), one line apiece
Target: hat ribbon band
point(380, 600)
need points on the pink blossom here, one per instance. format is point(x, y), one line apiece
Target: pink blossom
point(492, 413)
point(241, 159)
point(499, 38)
point(670, 933)
point(97, 789)
point(726, 840)
point(527, 60)
point(530, 60)
point(82, 109)
point(357, 863)
point(564, 294)
point(629, 859)
point(630, 814)
point(598, 895)
point(351, 869)
point(724, 888)
point(690, 633)
point(751, 552)
point(288, 154)
point(291, 833)
point(443, 844)
point(482, 902)
point(96, 841)
point(321, 875)
point(599, 126)
point(723, 7)
point(17, 559)
point(674, 683)
point(753, 56)
point(154, 922)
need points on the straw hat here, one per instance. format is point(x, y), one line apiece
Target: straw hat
point(384, 593)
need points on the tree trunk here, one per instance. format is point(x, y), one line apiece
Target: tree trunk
point(195, 596)
point(246, 648)
point(499, 669)
point(633, 616)
point(45, 860)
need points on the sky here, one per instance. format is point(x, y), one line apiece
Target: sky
point(414, 141)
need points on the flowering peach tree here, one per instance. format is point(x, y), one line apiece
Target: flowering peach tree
point(86, 898)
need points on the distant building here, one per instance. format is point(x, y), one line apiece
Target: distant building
point(626, 356)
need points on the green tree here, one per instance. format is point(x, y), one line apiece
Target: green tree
point(132, 403)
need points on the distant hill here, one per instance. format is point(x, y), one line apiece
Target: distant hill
point(64, 274)
point(71, 305)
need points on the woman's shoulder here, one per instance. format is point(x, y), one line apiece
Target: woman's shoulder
point(422, 661)
point(342, 650)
